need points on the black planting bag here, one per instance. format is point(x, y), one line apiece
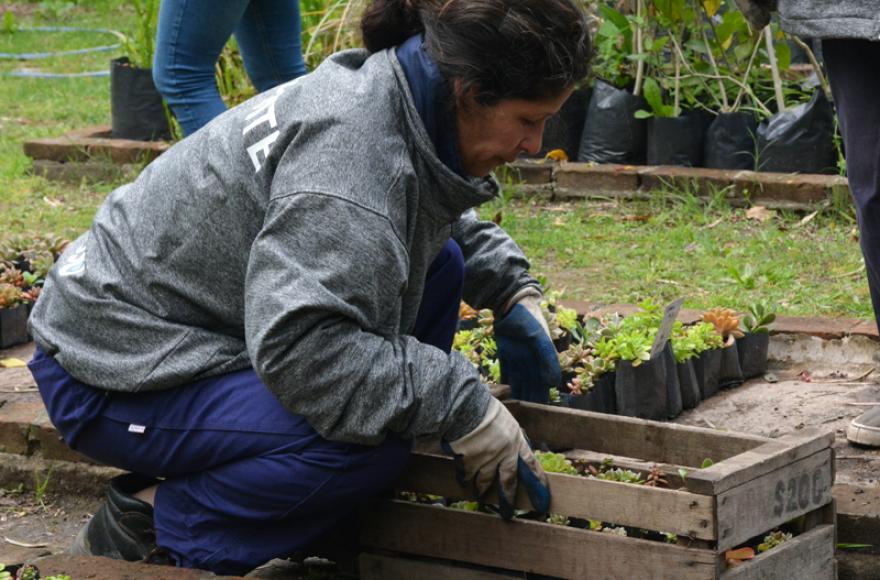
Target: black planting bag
point(611, 133)
point(641, 390)
point(800, 139)
point(690, 387)
point(752, 350)
point(730, 141)
point(136, 107)
point(563, 130)
point(677, 140)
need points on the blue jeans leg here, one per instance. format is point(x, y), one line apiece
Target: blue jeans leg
point(438, 314)
point(190, 36)
point(245, 479)
point(854, 71)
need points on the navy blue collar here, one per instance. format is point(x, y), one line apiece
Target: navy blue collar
point(432, 98)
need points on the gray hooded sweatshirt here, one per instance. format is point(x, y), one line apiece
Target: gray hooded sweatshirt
point(292, 234)
point(818, 18)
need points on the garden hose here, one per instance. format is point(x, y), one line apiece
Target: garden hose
point(44, 55)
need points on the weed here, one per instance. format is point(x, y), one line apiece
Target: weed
point(41, 484)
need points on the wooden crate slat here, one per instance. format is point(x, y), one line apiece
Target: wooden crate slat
point(770, 500)
point(562, 428)
point(758, 461)
point(664, 510)
point(527, 546)
point(809, 556)
point(381, 567)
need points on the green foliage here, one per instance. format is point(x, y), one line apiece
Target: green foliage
point(773, 539)
point(707, 463)
point(759, 319)
point(613, 48)
point(702, 336)
point(8, 22)
point(468, 506)
point(4, 573)
point(555, 463)
point(558, 520)
point(683, 347)
point(141, 44)
point(567, 318)
point(27, 572)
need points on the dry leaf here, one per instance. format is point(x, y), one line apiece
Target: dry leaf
point(11, 363)
point(52, 202)
point(713, 224)
point(636, 218)
point(557, 155)
point(738, 556)
point(807, 219)
point(760, 213)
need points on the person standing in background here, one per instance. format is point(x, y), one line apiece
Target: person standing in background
point(191, 35)
point(850, 33)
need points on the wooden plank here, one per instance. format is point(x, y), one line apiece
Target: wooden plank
point(774, 498)
point(562, 428)
point(382, 567)
point(527, 546)
point(809, 556)
point(756, 462)
point(652, 508)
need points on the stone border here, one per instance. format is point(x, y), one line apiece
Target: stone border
point(568, 180)
point(93, 144)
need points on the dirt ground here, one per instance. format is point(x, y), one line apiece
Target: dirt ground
point(820, 384)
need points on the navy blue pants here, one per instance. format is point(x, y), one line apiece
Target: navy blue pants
point(854, 72)
point(245, 480)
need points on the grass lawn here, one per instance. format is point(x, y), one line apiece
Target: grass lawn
point(608, 252)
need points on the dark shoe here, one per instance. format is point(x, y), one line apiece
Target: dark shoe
point(865, 429)
point(123, 526)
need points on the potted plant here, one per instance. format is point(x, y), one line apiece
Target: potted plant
point(752, 347)
point(726, 323)
point(640, 381)
point(685, 351)
point(706, 344)
point(136, 107)
point(13, 316)
point(612, 133)
point(797, 138)
point(675, 129)
point(588, 381)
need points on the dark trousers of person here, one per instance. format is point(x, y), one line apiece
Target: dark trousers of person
point(245, 480)
point(854, 72)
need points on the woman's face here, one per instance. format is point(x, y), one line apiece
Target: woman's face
point(489, 136)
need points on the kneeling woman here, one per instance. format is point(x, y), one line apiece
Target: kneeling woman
point(259, 325)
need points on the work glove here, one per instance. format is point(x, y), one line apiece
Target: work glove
point(757, 12)
point(497, 450)
point(529, 363)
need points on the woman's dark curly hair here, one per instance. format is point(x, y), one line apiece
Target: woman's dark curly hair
point(499, 49)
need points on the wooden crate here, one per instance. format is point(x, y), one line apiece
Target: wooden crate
point(755, 485)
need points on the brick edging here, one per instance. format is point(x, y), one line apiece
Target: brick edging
point(570, 180)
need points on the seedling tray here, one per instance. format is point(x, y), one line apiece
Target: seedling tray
point(755, 485)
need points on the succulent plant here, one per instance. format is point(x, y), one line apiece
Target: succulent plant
point(31, 294)
point(773, 539)
point(759, 319)
point(726, 323)
point(10, 296)
point(9, 274)
point(465, 312)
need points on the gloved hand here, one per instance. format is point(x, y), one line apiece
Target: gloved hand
point(757, 12)
point(529, 363)
point(498, 450)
